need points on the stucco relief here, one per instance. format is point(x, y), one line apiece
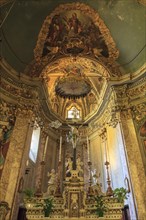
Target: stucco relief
point(74, 29)
point(22, 91)
point(143, 2)
point(139, 112)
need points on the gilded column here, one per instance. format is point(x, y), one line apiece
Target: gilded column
point(15, 161)
point(135, 163)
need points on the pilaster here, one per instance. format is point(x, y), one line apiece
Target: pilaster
point(15, 160)
point(135, 164)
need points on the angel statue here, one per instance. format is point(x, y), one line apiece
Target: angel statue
point(52, 177)
point(95, 176)
point(52, 183)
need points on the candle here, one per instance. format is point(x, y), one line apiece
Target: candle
point(88, 154)
point(105, 151)
point(60, 148)
point(45, 148)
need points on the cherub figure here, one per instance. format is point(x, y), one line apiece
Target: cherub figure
point(52, 177)
point(95, 176)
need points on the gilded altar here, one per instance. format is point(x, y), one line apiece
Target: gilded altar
point(75, 202)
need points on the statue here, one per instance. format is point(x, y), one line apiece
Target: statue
point(96, 186)
point(52, 177)
point(95, 176)
point(52, 183)
point(79, 166)
point(68, 166)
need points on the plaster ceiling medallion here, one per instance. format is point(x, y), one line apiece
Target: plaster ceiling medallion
point(73, 85)
point(74, 30)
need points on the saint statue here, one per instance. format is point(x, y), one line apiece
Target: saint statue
point(79, 166)
point(68, 167)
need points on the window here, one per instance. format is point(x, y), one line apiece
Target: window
point(73, 113)
point(34, 144)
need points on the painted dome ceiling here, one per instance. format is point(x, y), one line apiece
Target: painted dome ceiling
point(75, 47)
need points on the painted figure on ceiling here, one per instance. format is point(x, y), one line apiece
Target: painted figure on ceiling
point(75, 26)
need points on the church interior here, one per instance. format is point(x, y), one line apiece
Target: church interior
point(73, 109)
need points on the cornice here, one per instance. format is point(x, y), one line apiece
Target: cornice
point(134, 83)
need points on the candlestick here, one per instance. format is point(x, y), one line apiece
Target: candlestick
point(60, 148)
point(109, 191)
point(45, 148)
point(88, 152)
point(105, 151)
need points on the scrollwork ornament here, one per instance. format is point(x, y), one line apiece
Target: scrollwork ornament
point(103, 134)
point(4, 209)
point(113, 120)
point(143, 2)
point(125, 114)
point(68, 38)
point(139, 112)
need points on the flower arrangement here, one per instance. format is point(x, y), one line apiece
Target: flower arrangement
point(28, 193)
point(120, 194)
point(47, 206)
point(101, 206)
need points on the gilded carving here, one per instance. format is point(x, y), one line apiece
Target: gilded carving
point(142, 133)
point(125, 114)
point(103, 134)
point(27, 93)
point(113, 121)
point(73, 26)
point(4, 209)
point(143, 2)
point(137, 91)
point(72, 30)
point(121, 91)
point(139, 112)
point(7, 121)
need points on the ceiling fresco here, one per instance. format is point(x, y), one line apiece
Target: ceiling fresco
point(124, 19)
point(96, 73)
point(74, 46)
point(73, 30)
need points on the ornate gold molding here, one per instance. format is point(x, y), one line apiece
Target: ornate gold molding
point(23, 91)
point(103, 134)
point(4, 209)
point(137, 91)
point(45, 51)
point(139, 112)
point(3, 2)
point(85, 10)
point(143, 2)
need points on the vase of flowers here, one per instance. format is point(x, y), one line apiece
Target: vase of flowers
point(120, 194)
point(47, 206)
point(101, 206)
